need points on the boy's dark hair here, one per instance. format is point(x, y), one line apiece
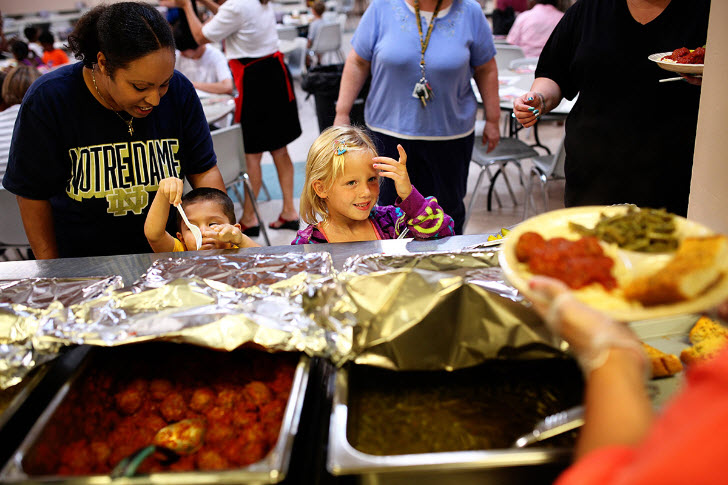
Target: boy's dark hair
point(208, 193)
point(123, 32)
point(46, 37)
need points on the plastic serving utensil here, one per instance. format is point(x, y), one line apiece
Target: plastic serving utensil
point(553, 425)
point(193, 228)
point(181, 438)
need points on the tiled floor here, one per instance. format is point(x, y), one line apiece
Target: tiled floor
point(481, 221)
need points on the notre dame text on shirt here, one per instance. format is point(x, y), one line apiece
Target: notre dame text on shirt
point(122, 173)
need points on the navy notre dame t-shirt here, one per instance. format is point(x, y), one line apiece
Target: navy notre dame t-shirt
point(68, 149)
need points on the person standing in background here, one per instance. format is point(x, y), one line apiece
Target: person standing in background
point(422, 55)
point(533, 27)
point(613, 154)
point(266, 103)
point(13, 88)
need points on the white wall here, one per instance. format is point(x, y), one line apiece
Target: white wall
point(709, 189)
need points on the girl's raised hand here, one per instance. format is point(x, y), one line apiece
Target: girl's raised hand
point(171, 189)
point(395, 170)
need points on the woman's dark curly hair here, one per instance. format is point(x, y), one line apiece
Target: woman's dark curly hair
point(123, 32)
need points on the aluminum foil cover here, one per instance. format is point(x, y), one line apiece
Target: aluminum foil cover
point(430, 311)
point(25, 307)
point(220, 301)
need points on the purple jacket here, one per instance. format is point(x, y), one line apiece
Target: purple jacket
point(424, 218)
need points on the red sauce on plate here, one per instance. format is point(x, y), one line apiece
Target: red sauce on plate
point(577, 263)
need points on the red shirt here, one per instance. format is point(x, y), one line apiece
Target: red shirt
point(686, 444)
point(55, 58)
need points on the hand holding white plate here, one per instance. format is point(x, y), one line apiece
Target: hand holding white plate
point(627, 264)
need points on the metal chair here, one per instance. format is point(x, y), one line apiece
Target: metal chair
point(508, 150)
point(546, 168)
point(13, 233)
point(228, 145)
point(506, 53)
point(328, 40)
point(297, 60)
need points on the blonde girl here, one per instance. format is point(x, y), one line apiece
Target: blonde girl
point(342, 186)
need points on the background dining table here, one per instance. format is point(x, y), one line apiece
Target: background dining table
point(216, 106)
point(514, 83)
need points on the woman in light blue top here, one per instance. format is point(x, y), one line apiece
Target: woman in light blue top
point(424, 102)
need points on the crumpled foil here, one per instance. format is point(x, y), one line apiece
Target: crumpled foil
point(407, 312)
point(220, 301)
point(25, 305)
point(429, 311)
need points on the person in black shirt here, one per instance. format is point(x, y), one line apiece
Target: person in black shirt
point(629, 138)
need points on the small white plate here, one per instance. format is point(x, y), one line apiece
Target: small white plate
point(627, 264)
point(674, 66)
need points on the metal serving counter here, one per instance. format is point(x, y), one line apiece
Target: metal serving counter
point(308, 458)
point(131, 266)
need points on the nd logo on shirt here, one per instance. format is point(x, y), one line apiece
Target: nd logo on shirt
point(122, 173)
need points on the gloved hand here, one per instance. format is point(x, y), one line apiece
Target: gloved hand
point(590, 333)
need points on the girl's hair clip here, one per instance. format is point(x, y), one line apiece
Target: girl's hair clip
point(339, 147)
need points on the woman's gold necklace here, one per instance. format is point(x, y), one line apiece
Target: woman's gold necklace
point(128, 123)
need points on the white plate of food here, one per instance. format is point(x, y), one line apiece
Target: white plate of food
point(673, 66)
point(635, 294)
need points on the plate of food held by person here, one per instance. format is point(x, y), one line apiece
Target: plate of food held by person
point(682, 60)
point(631, 263)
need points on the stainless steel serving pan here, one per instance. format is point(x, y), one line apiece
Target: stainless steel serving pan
point(531, 465)
point(271, 469)
point(503, 467)
point(25, 389)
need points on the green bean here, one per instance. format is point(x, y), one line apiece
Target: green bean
point(644, 230)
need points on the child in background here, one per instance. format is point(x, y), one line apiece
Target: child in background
point(52, 57)
point(342, 187)
point(32, 32)
point(317, 9)
point(23, 55)
point(209, 209)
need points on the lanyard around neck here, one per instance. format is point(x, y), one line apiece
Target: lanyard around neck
point(424, 42)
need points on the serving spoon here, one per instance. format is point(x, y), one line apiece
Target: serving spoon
point(193, 228)
point(177, 439)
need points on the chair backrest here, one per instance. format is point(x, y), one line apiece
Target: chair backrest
point(329, 16)
point(12, 224)
point(297, 58)
point(560, 155)
point(287, 32)
point(341, 18)
point(228, 146)
point(328, 38)
point(506, 53)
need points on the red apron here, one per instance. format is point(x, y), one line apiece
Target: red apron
point(238, 69)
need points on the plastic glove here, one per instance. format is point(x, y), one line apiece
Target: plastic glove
point(590, 333)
